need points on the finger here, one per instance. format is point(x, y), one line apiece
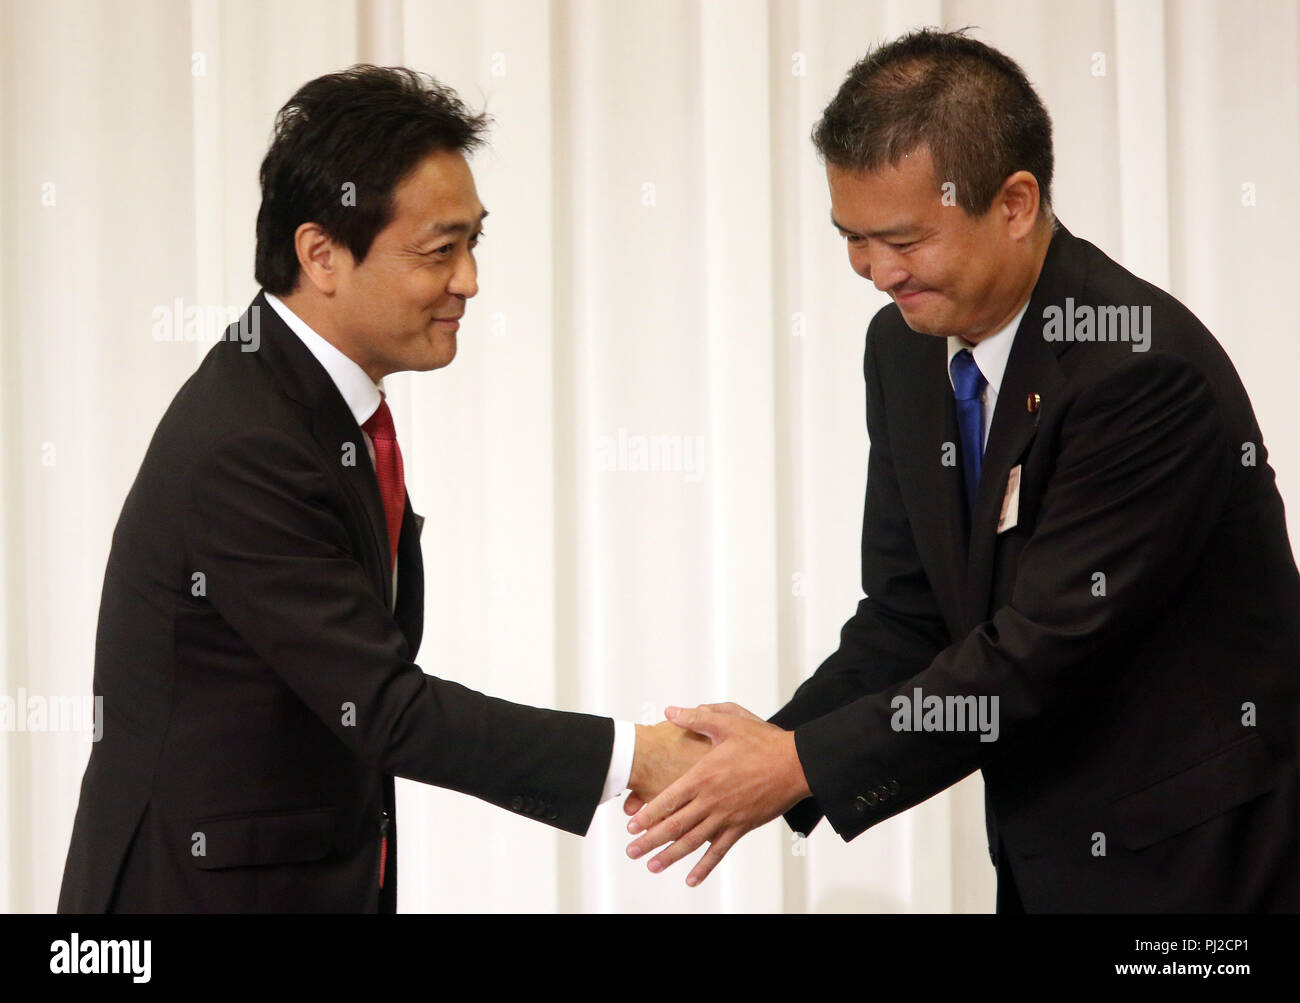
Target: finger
point(733, 709)
point(674, 827)
point(717, 850)
point(700, 720)
point(683, 847)
point(670, 799)
point(633, 804)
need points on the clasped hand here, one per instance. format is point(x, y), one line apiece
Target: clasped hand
point(739, 773)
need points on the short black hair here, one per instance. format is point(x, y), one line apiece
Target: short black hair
point(970, 105)
point(368, 125)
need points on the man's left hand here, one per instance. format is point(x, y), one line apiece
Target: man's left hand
point(751, 776)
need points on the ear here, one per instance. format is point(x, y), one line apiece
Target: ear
point(1019, 198)
point(322, 261)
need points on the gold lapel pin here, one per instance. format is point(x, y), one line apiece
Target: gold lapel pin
point(1031, 404)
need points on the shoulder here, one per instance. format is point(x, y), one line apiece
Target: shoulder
point(228, 428)
point(1164, 337)
point(231, 396)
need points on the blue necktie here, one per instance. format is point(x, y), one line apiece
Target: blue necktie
point(968, 384)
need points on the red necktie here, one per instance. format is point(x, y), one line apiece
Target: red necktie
point(388, 469)
point(392, 489)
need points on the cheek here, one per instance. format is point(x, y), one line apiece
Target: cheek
point(427, 289)
point(942, 276)
point(435, 276)
point(380, 291)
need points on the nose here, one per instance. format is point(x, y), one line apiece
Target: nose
point(876, 262)
point(464, 280)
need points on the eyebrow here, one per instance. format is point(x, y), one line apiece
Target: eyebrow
point(442, 229)
point(890, 231)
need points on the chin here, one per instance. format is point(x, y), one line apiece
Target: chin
point(918, 324)
point(439, 352)
point(923, 322)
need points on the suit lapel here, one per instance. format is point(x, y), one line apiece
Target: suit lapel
point(941, 486)
point(1032, 368)
point(337, 431)
point(409, 613)
point(305, 380)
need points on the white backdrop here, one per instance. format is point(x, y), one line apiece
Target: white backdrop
point(659, 262)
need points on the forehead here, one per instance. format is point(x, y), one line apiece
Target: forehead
point(437, 193)
point(909, 185)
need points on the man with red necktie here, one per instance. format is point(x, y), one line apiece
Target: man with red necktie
point(263, 600)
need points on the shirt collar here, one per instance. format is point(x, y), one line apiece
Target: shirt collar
point(361, 394)
point(991, 353)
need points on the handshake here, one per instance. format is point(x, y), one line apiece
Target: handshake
point(708, 774)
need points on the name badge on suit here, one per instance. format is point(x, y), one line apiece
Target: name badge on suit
point(1010, 501)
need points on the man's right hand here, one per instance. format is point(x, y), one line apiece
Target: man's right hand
point(663, 753)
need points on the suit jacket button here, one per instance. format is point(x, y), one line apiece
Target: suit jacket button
point(892, 787)
point(528, 805)
point(516, 803)
point(882, 793)
point(551, 813)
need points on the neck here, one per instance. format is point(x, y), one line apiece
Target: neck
point(1040, 239)
point(315, 313)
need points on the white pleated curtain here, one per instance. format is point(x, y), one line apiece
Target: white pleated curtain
point(660, 288)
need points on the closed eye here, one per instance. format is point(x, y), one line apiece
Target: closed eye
point(855, 239)
point(446, 249)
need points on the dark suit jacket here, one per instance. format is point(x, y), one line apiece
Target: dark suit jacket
point(259, 695)
point(1147, 755)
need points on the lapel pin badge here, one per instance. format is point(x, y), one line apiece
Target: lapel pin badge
point(1032, 402)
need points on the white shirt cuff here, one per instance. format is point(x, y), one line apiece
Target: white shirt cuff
point(620, 761)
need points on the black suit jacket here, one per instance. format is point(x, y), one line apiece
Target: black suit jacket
point(259, 695)
point(1147, 749)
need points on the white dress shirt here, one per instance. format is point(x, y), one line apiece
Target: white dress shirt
point(990, 356)
point(363, 396)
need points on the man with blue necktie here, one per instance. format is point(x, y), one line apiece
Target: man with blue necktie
point(1075, 560)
